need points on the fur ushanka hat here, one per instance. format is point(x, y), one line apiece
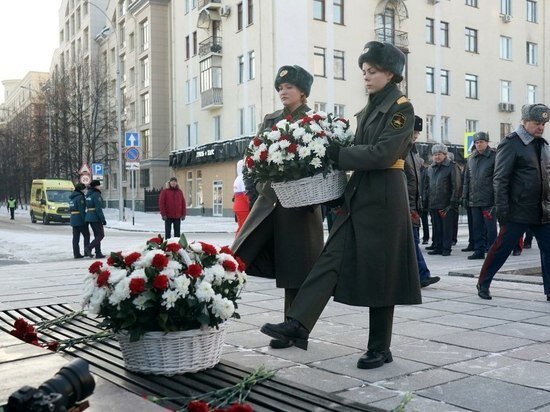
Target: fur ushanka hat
point(385, 55)
point(295, 75)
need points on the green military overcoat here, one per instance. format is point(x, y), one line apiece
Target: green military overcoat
point(379, 267)
point(277, 242)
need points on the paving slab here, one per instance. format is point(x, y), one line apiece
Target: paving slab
point(435, 353)
point(369, 393)
point(536, 352)
point(505, 313)
point(483, 364)
point(461, 320)
point(418, 404)
point(483, 341)
point(531, 374)
point(325, 381)
point(318, 350)
point(422, 379)
point(424, 330)
point(520, 330)
point(359, 338)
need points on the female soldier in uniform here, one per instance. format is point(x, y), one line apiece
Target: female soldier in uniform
point(275, 241)
point(369, 258)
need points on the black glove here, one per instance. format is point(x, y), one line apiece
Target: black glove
point(465, 202)
point(332, 204)
point(455, 205)
point(333, 153)
point(502, 213)
point(163, 217)
point(104, 223)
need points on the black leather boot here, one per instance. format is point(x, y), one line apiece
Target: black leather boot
point(484, 293)
point(374, 359)
point(290, 332)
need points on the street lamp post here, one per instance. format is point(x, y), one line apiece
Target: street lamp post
point(118, 114)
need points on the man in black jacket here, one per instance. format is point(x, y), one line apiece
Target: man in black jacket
point(522, 195)
point(478, 194)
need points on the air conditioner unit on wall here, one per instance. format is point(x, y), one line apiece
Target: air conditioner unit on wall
point(506, 107)
point(433, 1)
point(506, 18)
point(225, 10)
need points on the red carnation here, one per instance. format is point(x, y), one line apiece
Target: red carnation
point(53, 345)
point(95, 267)
point(240, 407)
point(131, 258)
point(159, 261)
point(198, 406)
point(240, 262)
point(229, 265)
point(284, 137)
point(249, 162)
point(226, 250)
point(103, 278)
point(137, 285)
point(263, 156)
point(21, 325)
point(317, 117)
point(256, 141)
point(156, 240)
point(293, 148)
point(288, 118)
point(208, 249)
point(194, 270)
point(173, 247)
point(111, 261)
point(273, 128)
point(160, 282)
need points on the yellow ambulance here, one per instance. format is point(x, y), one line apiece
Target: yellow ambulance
point(50, 200)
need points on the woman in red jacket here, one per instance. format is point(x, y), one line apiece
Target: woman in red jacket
point(172, 207)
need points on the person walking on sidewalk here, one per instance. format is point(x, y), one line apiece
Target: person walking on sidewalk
point(413, 164)
point(172, 208)
point(369, 258)
point(96, 219)
point(522, 195)
point(478, 194)
point(12, 204)
point(277, 242)
point(241, 209)
point(77, 207)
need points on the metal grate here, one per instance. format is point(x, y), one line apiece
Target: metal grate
point(105, 360)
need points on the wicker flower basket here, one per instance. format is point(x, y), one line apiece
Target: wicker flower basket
point(311, 190)
point(171, 353)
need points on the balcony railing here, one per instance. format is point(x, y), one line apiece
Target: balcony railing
point(210, 45)
point(212, 98)
point(207, 3)
point(395, 37)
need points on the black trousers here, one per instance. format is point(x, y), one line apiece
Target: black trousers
point(12, 213)
point(168, 227)
point(77, 231)
point(99, 234)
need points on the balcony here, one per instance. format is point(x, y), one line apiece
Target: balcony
point(210, 45)
point(398, 38)
point(209, 4)
point(212, 98)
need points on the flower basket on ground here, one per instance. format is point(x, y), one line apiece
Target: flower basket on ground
point(168, 303)
point(292, 156)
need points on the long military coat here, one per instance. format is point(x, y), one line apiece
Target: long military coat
point(379, 267)
point(295, 235)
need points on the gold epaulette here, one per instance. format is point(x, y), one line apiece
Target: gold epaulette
point(402, 100)
point(399, 164)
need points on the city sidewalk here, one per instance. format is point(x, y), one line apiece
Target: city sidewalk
point(455, 352)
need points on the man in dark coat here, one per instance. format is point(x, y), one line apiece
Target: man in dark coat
point(369, 258)
point(77, 207)
point(95, 217)
point(413, 165)
point(442, 192)
point(274, 241)
point(12, 205)
point(478, 194)
point(172, 208)
point(522, 195)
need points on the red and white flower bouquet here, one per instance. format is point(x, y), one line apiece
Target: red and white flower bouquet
point(292, 156)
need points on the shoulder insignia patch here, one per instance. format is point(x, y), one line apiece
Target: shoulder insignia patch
point(398, 121)
point(402, 100)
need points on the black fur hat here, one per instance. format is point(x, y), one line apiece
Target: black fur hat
point(417, 123)
point(80, 187)
point(385, 55)
point(295, 75)
point(481, 136)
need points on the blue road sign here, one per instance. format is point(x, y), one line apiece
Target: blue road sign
point(132, 154)
point(131, 139)
point(97, 169)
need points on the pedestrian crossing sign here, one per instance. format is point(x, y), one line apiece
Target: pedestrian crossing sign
point(468, 143)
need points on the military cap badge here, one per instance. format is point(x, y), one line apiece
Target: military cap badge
point(283, 73)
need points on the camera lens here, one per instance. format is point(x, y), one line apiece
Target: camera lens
point(73, 381)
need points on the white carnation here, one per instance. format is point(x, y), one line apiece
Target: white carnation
point(299, 132)
point(276, 158)
point(222, 307)
point(274, 135)
point(284, 144)
point(281, 124)
point(196, 247)
point(303, 152)
point(169, 298)
point(181, 284)
point(214, 274)
point(204, 292)
point(306, 138)
point(140, 301)
point(121, 292)
point(96, 299)
point(316, 162)
point(116, 275)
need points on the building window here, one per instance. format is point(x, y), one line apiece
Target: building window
point(505, 91)
point(217, 198)
point(505, 48)
point(251, 121)
point(319, 61)
point(144, 34)
point(146, 143)
point(339, 110)
point(430, 127)
point(471, 40)
point(250, 16)
point(187, 8)
point(241, 122)
point(531, 11)
point(195, 43)
point(217, 127)
point(211, 76)
point(199, 197)
point(430, 36)
point(145, 116)
point(430, 80)
point(191, 90)
point(444, 76)
point(319, 10)
point(338, 11)
point(189, 188)
point(239, 16)
point(505, 6)
point(240, 69)
point(320, 107)
point(505, 129)
point(444, 33)
point(251, 65)
point(192, 134)
point(132, 111)
point(471, 86)
point(531, 94)
point(132, 41)
point(144, 72)
point(144, 178)
point(472, 3)
point(532, 49)
point(187, 48)
point(339, 63)
point(445, 128)
point(471, 125)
